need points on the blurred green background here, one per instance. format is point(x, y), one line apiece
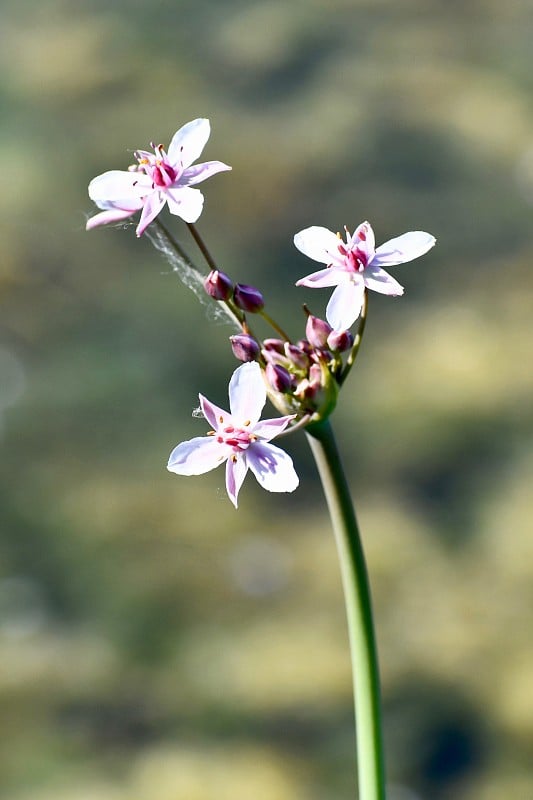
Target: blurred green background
point(156, 644)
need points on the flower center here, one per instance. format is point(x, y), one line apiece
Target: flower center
point(238, 438)
point(355, 259)
point(158, 168)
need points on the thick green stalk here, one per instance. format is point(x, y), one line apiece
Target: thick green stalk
point(370, 758)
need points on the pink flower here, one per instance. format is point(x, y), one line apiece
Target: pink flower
point(240, 439)
point(356, 265)
point(156, 179)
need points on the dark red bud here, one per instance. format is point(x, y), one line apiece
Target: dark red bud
point(340, 341)
point(244, 347)
point(296, 356)
point(248, 298)
point(273, 344)
point(218, 285)
point(278, 377)
point(306, 347)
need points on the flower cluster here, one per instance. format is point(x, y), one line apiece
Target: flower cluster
point(302, 378)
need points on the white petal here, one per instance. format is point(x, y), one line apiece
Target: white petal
point(380, 281)
point(319, 244)
point(403, 249)
point(197, 456)
point(153, 204)
point(267, 429)
point(185, 202)
point(214, 415)
point(236, 469)
point(199, 172)
point(345, 305)
point(331, 276)
point(247, 393)
point(272, 467)
point(118, 187)
point(187, 143)
point(106, 217)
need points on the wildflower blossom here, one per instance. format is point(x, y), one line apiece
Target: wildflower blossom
point(157, 178)
point(240, 439)
point(355, 265)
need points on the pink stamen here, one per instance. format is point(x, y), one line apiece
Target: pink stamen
point(237, 438)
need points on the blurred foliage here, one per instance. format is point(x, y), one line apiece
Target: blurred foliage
point(155, 644)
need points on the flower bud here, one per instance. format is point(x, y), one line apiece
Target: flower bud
point(306, 347)
point(296, 356)
point(248, 298)
point(273, 344)
point(340, 341)
point(278, 377)
point(244, 347)
point(317, 331)
point(218, 285)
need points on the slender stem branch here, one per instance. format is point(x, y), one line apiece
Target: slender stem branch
point(211, 263)
point(273, 324)
point(370, 757)
point(357, 341)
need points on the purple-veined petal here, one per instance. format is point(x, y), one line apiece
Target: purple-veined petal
point(236, 469)
point(118, 187)
point(187, 143)
point(199, 172)
point(364, 239)
point(345, 304)
point(247, 394)
point(403, 249)
point(185, 202)
point(272, 467)
point(215, 415)
point(153, 204)
point(331, 276)
point(319, 244)
point(106, 217)
point(197, 456)
point(267, 429)
point(380, 281)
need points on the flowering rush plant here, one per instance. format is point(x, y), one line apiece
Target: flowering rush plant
point(301, 378)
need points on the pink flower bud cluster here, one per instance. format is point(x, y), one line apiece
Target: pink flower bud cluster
point(219, 286)
point(302, 376)
point(304, 371)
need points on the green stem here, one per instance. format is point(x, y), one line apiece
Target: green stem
point(357, 341)
point(210, 261)
point(365, 671)
point(273, 324)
